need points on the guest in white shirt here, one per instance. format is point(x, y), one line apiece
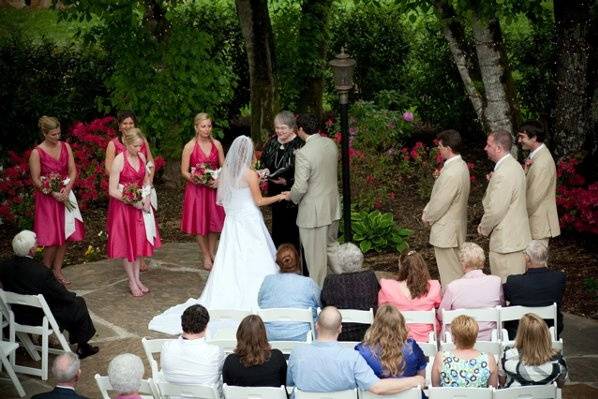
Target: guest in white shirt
point(190, 359)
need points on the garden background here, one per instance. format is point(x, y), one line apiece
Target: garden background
point(422, 66)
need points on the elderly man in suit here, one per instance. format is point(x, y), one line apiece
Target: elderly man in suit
point(24, 275)
point(505, 211)
point(540, 172)
point(66, 369)
point(316, 192)
point(446, 212)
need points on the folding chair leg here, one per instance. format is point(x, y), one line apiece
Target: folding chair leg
point(45, 345)
point(13, 376)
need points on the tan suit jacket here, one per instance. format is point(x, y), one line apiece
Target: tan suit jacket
point(316, 189)
point(447, 208)
point(505, 210)
point(541, 196)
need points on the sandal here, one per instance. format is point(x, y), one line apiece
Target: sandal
point(135, 291)
point(61, 279)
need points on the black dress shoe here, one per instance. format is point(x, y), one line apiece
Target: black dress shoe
point(86, 350)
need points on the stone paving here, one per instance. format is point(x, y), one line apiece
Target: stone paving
point(121, 320)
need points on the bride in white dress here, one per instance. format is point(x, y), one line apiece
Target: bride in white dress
point(246, 253)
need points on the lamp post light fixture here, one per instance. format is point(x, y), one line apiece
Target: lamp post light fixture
point(342, 68)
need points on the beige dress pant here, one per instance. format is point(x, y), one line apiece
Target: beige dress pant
point(318, 245)
point(503, 265)
point(449, 267)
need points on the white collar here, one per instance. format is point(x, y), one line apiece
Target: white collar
point(508, 154)
point(309, 137)
point(452, 159)
point(65, 387)
point(534, 152)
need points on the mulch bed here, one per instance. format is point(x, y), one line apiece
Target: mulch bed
point(574, 254)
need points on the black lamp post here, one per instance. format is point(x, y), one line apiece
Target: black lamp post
point(342, 67)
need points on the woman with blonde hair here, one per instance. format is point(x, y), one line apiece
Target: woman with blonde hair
point(202, 217)
point(387, 348)
point(412, 289)
point(254, 363)
point(532, 360)
point(57, 217)
point(464, 366)
point(288, 289)
point(131, 226)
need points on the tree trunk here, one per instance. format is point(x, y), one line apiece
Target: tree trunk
point(488, 43)
point(572, 108)
point(257, 32)
point(155, 20)
point(454, 35)
point(313, 31)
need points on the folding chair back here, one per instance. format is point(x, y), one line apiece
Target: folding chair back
point(478, 314)
point(150, 347)
point(413, 393)
point(234, 392)
point(493, 348)
point(146, 390)
point(229, 314)
point(168, 390)
point(459, 393)
point(357, 316)
point(528, 392)
point(286, 347)
point(227, 345)
point(422, 317)
point(290, 315)
point(348, 394)
point(512, 313)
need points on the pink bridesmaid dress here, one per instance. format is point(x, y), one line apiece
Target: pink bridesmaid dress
point(201, 214)
point(126, 230)
point(49, 213)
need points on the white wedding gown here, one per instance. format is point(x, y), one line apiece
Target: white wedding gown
point(246, 254)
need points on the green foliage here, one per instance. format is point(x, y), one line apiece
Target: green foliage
point(45, 78)
point(377, 231)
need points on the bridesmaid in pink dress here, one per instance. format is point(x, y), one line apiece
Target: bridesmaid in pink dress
point(126, 121)
point(53, 156)
point(201, 215)
point(130, 234)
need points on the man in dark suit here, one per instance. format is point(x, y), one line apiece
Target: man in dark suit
point(66, 369)
point(24, 275)
point(538, 286)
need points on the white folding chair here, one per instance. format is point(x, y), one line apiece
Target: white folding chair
point(289, 315)
point(528, 392)
point(6, 349)
point(146, 390)
point(494, 348)
point(357, 316)
point(430, 349)
point(512, 313)
point(422, 317)
point(150, 347)
point(478, 314)
point(229, 314)
point(348, 394)
point(286, 347)
point(168, 390)
point(459, 393)
point(228, 345)
point(234, 392)
point(413, 393)
point(48, 327)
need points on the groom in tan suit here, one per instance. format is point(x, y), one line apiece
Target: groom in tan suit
point(316, 192)
point(505, 212)
point(446, 211)
point(540, 171)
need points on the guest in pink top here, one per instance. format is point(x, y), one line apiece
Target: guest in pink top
point(54, 158)
point(202, 217)
point(475, 289)
point(413, 289)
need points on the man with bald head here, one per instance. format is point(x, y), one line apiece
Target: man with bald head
point(66, 370)
point(327, 366)
point(505, 210)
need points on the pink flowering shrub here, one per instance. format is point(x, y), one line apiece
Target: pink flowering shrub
point(577, 201)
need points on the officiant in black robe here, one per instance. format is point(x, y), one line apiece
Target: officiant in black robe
point(279, 158)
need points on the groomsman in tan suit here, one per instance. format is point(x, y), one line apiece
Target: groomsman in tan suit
point(540, 171)
point(446, 211)
point(505, 211)
point(316, 192)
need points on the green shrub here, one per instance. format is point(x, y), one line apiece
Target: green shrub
point(377, 231)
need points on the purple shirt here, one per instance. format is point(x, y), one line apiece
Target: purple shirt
point(474, 290)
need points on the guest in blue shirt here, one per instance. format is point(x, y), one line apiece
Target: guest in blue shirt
point(387, 348)
point(288, 289)
point(327, 366)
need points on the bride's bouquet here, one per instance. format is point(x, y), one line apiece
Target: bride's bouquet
point(203, 174)
point(53, 183)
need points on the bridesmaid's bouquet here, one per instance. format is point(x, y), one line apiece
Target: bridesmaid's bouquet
point(132, 194)
point(202, 174)
point(53, 183)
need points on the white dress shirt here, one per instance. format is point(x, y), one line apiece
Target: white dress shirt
point(534, 152)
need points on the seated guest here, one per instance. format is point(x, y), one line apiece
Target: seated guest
point(351, 287)
point(388, 350)
point(327, 366)
point(538, 286)
point(66, 369)
point(532, 361)
point(125, 373)
point(288, 289)
point(24, 275)
point(254, 363)
point(464, 366)
point(190, 359)
point(475, 289)
point(413, 289)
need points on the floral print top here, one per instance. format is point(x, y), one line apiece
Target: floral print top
point(464, 373)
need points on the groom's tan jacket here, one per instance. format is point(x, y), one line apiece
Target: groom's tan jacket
point(541, 196)
point(316, 189)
